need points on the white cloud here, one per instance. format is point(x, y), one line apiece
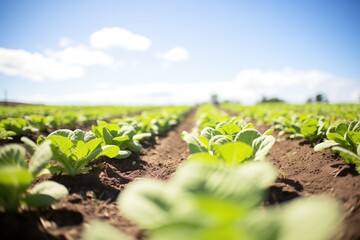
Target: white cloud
point(118, 37)
point(83, 56)
point(65, 42)
point(248, 87)
point(145, 94)
point(166, 65)
point(176, 54)
point(286, 77)
point(103, 85)
point(35, 66)
point(355, 95)
point(294, 85)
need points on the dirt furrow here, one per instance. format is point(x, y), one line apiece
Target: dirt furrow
point(302, 172)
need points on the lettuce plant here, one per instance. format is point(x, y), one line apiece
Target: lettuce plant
point(344, 138)
point(5, 134)
point(154, 122)
point(234, 153)
point(142, 124)
point(246, 141)
point(301, 126)
point(212, 201)
point(19, 126)
point(311, 129)
point(16, 176)
point(74, 150)
point(206, 201)
point(38, 121)
point(124, 136)
point(163, 124)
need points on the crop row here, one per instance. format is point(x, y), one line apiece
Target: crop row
point(27, 120)
point(326, 126)
point(92, 111)
point(272, 113)
point(71, 152)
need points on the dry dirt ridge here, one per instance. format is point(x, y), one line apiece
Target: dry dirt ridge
point(302, 172)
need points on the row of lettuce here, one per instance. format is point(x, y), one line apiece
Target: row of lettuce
point(219, 192)
point(333, 126)
point(91, 111)
point(25, 120)
point(71, 152)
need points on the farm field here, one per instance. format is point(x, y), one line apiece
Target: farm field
point(179, 120)
point(269, 171)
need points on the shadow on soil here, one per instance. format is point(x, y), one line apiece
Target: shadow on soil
point(279, 193)
point(28, 224)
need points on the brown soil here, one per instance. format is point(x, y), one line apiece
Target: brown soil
point(93, 195)
point(305, 172)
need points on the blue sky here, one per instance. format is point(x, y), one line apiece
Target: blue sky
point(174, 52)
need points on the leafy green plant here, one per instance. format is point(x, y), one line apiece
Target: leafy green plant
point(74, 150)
point(208, 201)
point(19, 126)
point(38, 121)
point(233, 153)
point(164, 123)
point(311, 128)
point(5, 134)
point(212, 201)
point(282, 116)
point(16, 176)
point(246, 141)
point(124, 136)
point(154, 122)
point(344, 138)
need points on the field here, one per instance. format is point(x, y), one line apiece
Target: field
point(181, 172)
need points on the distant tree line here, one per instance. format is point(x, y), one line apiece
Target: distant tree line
point(318, 98)
point(271, 100)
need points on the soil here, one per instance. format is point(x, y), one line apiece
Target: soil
point(302, 172)
point(93, 195)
